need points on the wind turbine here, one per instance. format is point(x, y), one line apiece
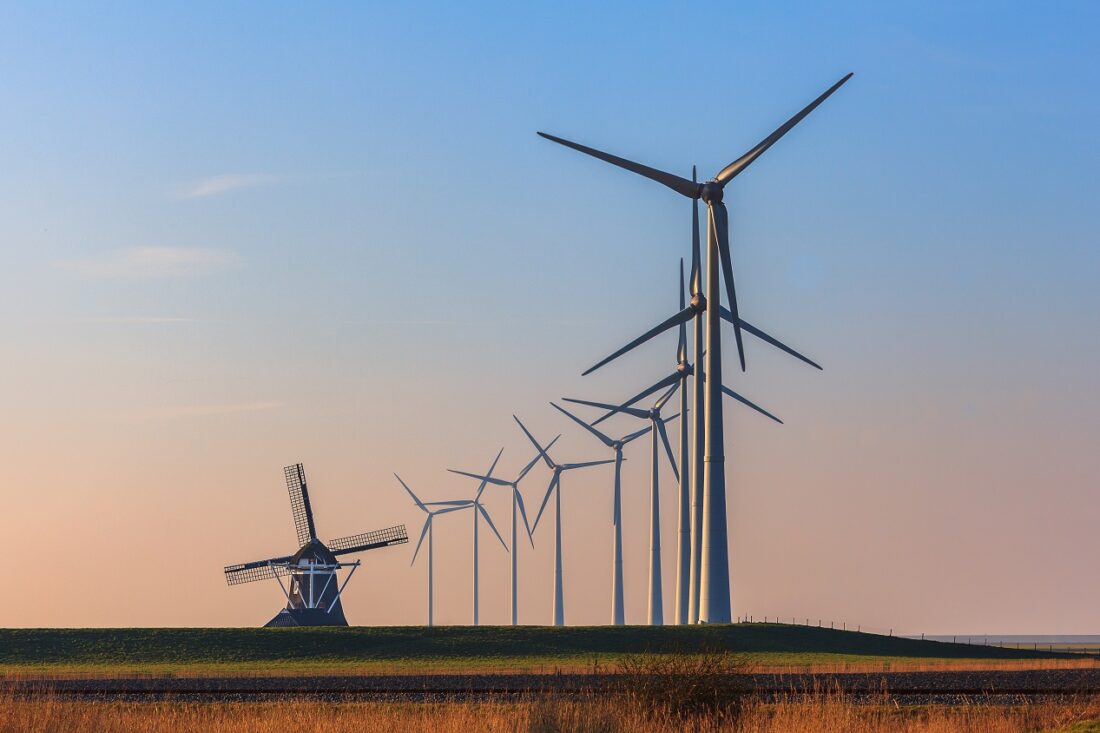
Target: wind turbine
point(555, 489)
point(476, 508)
point(618, 616)
point(517, 504)
point(656, 614)
point(714, 577)
point(429, 531)
point(656, 601)
point(689, 549)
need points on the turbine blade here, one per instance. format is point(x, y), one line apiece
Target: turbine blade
point(545, 499)
point(753, 405)
point(733, 169)
point(423, 532)
point(668, 448)
point(720, 226)
point(436, 512)
point(492, 526)
point(635, 436)
point(523, 515)
point(603, 438)
point(665, 397)
point(769, 339)
point(533, 462)
point(490, 479)
point(614, 408)
point(677, 184)
point(539, 448)
point(682, 317)
point(670, 379)
point(486, 480)
point(586, 464)
point(414, 496)
point(455, 502)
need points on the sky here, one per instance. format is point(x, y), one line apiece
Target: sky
point(236, 237)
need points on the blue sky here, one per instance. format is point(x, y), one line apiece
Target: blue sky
point(236, 237)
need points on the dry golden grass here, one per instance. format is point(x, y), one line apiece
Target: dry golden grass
point(823, 713)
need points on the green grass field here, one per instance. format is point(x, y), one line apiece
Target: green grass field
point(486, 648)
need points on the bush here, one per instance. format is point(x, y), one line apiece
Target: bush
point(685, 685)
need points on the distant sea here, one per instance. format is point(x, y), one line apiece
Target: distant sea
point(1091, 639)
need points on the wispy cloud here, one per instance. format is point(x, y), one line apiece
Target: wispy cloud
point(171, 413)
point(217, 185)
point(151, 262)
point(133, 319)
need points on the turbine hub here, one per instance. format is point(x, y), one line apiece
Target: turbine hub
point(711, 192)
point(698, 302)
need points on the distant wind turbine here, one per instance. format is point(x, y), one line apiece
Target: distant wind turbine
point(427, 530)
point(555, 489)
point(476, 508)
point(656, 614)
point(517, 504)
point(618, 614)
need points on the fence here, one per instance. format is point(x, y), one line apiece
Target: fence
point(1062, 648)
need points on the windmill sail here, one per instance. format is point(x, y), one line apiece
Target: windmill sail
point(258, 570)
point(299, 503)
point(370, 540)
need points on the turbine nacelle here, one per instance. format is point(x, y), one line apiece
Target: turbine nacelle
point(711, 192)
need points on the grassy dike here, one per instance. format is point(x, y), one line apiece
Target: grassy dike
point(484, 648)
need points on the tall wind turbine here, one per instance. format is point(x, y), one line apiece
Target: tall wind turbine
point(656, 614)
point(618, 614)
point(555, 489)
point(714, 577)
point(429, 531)
point(689, 549)
point(476, 508)
point(517, 505)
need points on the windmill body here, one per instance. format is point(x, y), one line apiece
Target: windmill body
point(312, 588)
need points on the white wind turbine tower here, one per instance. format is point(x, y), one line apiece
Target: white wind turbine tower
point(555, 489)
point(618, 613)
point(476, 508)
point(517, 505)
point(429, 531)
point(714, 580)
point(691, 461)
point(655, 611)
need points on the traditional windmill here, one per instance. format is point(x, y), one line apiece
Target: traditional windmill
point(313, 593)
